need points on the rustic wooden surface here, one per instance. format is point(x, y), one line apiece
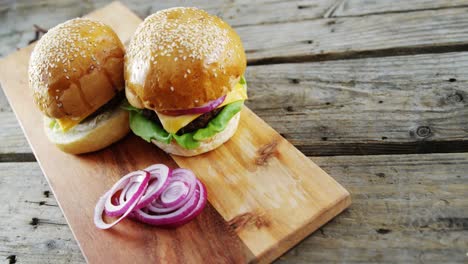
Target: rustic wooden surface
point(383, 77)
point(266, 199)
point(266, 189)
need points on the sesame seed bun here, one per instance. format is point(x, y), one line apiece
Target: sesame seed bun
point(76, 67)
point(181, 58)
point(205, 146)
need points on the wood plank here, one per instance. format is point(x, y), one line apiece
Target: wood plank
point(351, 37)
point(406, 209)
point(399, 104)
point(207, 235)
point(309, 39)
point(372, 7)
point(19, 17)
point(361, 106)
point(33, 229)
point(271, 194)
point(240, 13)
point(13, 140)
point(257, 226)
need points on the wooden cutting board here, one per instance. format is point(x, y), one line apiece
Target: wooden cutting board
point(265, 196)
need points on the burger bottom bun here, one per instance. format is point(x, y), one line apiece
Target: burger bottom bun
point(205, 146)
point(92, 135)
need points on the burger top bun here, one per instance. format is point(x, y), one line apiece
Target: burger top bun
point(75, 68)
point(181, 58)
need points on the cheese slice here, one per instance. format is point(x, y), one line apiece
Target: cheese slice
point(172, 124)
point(66, 123)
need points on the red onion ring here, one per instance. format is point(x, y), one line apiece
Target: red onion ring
point(197, 210)
point(132, 202)
point(175, 192)
point(142, 177)
point(158, 183)
point(196, 110)
point(182, 175)
point(156, 196)
point(170, 218)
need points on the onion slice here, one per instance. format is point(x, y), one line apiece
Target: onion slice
point(159, 175)
point(156, 196)
point(100, 206)
point(175, 193)
point(142, 177)
point(178, 175)
point(196, 110)
point(197, 210)
point(170, 218)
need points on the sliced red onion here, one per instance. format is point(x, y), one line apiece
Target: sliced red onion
point(167, 219)
point(159, 175)
point(182, 175)
point(196, 110)
point(130, 205)
point(142, 177)
point(156, 196)
point(174, 194)
point(197, 210)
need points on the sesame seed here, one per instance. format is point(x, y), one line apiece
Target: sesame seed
point(68, 77)
point(196, 35)
point(172, 88)
point(185, 76)
point(188, 70)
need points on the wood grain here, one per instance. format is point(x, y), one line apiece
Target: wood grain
point(208, 235)
point(33, 229)
point(272, 195)
point(372, 7)
point(351, 37)
point(406, 209)
point(297, 36)
point(364, 106)
point(18, 17)
point(258, 194)
point(354, 107)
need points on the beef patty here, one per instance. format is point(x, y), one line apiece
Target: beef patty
point(200, 122)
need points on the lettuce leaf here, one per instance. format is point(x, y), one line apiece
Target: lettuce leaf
point(148, 129)
point(220, 121)
point(186, 140)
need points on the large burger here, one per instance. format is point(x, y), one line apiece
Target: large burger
point(184, 81)
point(76, 75)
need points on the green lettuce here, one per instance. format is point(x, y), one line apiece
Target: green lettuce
point(149, 130)
point(220, 121)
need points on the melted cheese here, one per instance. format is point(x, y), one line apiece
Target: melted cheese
point(67, 123)
point(172, 124)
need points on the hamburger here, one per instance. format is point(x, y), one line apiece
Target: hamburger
point(76, 76)
point(184, 81)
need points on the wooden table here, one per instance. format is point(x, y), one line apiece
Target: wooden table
point(375, 92)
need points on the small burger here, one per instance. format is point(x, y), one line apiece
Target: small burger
point(76, 76)
point(184, 81)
